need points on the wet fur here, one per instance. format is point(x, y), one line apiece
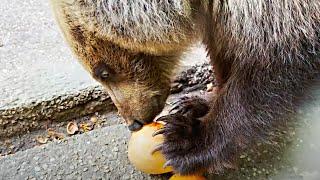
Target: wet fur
point(266, 56)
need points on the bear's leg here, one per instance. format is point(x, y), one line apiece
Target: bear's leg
point(254, 100)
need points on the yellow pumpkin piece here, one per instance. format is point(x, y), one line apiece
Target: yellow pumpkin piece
point(140, 149)
point(191, 177)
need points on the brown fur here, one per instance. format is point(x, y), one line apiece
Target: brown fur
point(266, 56)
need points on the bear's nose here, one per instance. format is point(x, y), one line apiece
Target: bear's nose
point(135, 126)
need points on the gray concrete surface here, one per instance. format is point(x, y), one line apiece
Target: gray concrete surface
point(96, 155)
point(35, 62)
point(19, 120)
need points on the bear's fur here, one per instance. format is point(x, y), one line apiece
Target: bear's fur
point(266, 56)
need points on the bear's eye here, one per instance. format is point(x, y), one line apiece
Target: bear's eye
point(102, 71)
point(104, 74)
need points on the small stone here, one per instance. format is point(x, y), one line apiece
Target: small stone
point(85, 169)
point(94, 119)
point(254, 169)
point(37, 168)
point(45, 166)
point(210, 87)
point(107, 170)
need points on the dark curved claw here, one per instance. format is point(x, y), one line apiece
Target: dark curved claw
point(167, 119)
point(158, 132)
point(162, 118)
point(176, 107)
point(179, 100)
point(156, 149)
point(168, 163)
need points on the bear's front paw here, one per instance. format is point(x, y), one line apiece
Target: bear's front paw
point(193, 107)
point(182, 140)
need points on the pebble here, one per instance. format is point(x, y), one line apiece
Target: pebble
point(115, 149)
point(45, 166)
point(37, 168)
point(243, 156)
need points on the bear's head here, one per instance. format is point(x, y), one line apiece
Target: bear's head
point(138, 84)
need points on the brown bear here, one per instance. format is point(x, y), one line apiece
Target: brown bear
point(266, 56)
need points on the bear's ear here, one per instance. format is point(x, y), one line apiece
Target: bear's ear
point(101, 71)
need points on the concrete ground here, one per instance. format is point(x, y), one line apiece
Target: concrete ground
point(35, 63)
point(96, 155)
